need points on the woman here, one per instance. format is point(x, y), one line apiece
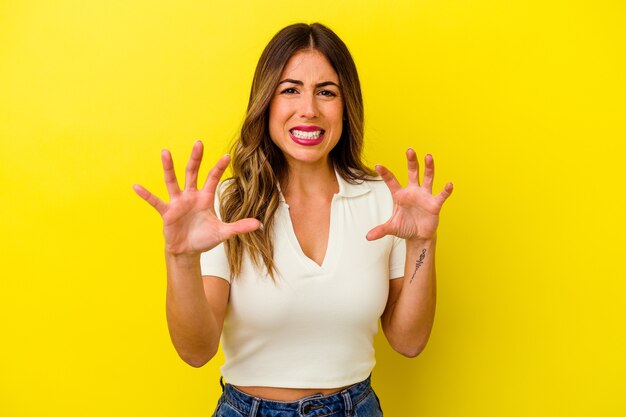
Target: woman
point(308, 250)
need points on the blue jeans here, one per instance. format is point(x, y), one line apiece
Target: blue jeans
point(358, 400)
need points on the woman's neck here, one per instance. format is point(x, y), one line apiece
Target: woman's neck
point(310, 181)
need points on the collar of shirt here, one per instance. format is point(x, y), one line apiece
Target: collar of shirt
point(346, 189)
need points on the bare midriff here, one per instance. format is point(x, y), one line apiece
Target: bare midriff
point(286, 394)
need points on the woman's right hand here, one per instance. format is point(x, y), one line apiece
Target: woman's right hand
point(190, 225)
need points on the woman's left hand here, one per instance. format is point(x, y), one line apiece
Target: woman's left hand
point(416, 210)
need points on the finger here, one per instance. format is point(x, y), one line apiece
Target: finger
point(429, 172)
point(377, 232)
point(443, 195)
point(215, 174)
point(191, 174)
point(413, 166)
point(240, 227)
point(389, 178)
point(171, 183)
point(153, 200)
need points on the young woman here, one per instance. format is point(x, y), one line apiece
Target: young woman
point(293, 260)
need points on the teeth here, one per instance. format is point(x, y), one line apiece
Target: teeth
point(306, 135)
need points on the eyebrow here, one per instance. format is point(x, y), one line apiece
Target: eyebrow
point(318, 85)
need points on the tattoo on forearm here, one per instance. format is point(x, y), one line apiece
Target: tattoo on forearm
point(418, 263)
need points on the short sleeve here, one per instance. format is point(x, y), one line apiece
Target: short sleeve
point(215, 262)
point(397, 258)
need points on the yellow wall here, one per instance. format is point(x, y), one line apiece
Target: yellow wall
point(521, 102)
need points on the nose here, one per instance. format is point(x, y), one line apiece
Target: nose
point(309, 109)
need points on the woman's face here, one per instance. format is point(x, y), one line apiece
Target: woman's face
point(306, 111)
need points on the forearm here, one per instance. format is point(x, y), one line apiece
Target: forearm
point(410, 318)
point(193, 327)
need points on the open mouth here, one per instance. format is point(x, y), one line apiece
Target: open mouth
point(300, 134)
point(307, 138)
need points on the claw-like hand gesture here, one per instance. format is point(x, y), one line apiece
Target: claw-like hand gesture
point(190, 225)
point(416, 209)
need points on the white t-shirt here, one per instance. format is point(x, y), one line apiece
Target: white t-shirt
point(314, 326)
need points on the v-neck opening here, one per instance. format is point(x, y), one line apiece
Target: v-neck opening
point(329, 258)
point(335, 234)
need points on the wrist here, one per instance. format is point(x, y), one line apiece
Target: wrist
point(183, 257)
point(422, 241)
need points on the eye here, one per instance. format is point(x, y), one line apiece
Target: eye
point(289, 90)
point(327, 93)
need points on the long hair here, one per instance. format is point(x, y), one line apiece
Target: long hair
point(258, 164)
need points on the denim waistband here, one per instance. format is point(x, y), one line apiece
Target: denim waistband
point(312, 406)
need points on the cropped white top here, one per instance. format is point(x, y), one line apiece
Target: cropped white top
point(314, 326)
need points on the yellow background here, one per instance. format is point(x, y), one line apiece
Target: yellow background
point(522, 103)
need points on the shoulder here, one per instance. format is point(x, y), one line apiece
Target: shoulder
point(369, 190)
point(225, 186)
point(375, 183)
point(380, 195)
point(225, 183)
point(360, 185)
point(378, 188)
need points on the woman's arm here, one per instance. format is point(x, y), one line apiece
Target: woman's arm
point(195, 305)
point(195, 308)
point(409, 314)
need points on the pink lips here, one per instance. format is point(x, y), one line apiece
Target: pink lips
point(307, 142)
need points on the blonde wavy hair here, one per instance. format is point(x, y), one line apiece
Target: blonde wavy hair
point(258, 165)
